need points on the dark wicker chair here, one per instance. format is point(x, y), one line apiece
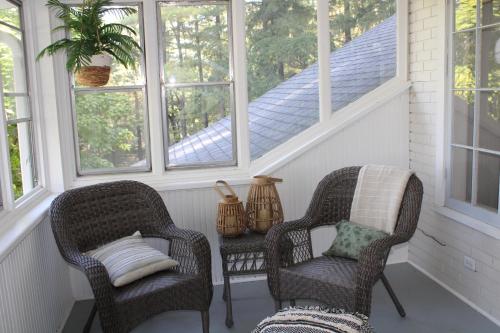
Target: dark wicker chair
point(85, 218)
point(337, 282)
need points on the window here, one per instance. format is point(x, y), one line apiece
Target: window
point(363, 45)
point(16, 123)
point(111, 121)
point(202, 95)
point(474, 163)
point(283, 83)
point(197, 83)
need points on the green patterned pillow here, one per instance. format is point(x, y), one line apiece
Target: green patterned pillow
point(351, 239)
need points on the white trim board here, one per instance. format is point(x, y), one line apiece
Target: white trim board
point(456, 293)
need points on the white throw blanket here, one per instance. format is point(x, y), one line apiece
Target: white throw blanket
point(378, 195)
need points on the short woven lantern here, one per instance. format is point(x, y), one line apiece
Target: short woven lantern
point(231, 219)
point(263, 204)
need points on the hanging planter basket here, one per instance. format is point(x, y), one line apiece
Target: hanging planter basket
point(231, 219)
point(263, 204)
point(97, 73)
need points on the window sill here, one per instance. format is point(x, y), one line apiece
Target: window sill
point(17, 224)
point(469, 221)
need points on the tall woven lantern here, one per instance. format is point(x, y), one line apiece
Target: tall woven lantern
point(231, 219)
point(263, 204)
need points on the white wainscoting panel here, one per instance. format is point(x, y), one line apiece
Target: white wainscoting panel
point(381, 137)
point(35, 292)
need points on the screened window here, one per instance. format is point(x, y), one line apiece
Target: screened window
point(362, 33)
point(17, 126)
point(111, 121)
point(197, 83)
point(283, 85)
point(474, 163)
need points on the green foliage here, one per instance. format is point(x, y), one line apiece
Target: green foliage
point(90, 35)
point(110, 129)
point(15, 162)
point(349, 19)
point(281, 42)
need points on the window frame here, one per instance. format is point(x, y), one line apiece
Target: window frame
point(143, 88)
point(230, 84)
point(471, 208)
point(9, 202)
point(164, 178)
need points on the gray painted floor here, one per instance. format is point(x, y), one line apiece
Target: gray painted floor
point(429, 308)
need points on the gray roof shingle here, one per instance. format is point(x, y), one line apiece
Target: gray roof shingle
point(291, 107)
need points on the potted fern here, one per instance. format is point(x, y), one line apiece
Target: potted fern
point(93, 44)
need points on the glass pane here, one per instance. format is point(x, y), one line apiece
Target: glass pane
point(282, 71)
point(465, 14)
point(121, 76)
point(490, 12)
point(16, 107)
point(199, 125)
point(490, 58)
point(12, 60)
point(461, 174)
point(9, 13)
point(464, 46)
point(111, 130)
point(363, 44)
point(195, 38)
point(489, 123)
point(24, 177)
point(488, 178)
point(463, 117)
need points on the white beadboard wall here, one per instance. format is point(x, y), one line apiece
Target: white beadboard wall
point(380, 137)
point(481, 288)
point(35, 290)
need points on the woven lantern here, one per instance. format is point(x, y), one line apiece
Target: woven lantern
point(231, 219)
point(263, 204)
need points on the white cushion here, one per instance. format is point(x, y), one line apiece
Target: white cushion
point(130, 258)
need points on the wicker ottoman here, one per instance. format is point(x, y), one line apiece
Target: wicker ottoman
point(314, 320)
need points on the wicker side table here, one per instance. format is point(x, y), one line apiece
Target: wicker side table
point(243, 255)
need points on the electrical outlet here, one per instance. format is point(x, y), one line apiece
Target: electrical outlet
point(470, 263)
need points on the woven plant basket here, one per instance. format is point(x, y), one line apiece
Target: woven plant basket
point(97, 73)
point(231, 219)
point(93, 76)
point(263, 204)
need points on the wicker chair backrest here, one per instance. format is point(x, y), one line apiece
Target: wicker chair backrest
point(95, 215)
point(332, 200)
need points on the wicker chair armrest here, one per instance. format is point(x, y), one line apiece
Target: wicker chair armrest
point(371, 264)
point(274, 253)
point(192, 250)
point(276, 233)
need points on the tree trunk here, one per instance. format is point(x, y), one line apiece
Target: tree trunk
point(137, 107)
point(347, 23)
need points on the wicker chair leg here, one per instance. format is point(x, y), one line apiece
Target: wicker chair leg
point(395, 300)
point(90, 320)
point(205, 321)
point(292, 302)
point(229, 303)
point(277, 305)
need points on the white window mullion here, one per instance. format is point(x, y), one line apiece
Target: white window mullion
point(477, 104)
point(325, 91)
point(241, 84)
point(153, 71)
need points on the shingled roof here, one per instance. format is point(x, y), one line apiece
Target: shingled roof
point(286, 110)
